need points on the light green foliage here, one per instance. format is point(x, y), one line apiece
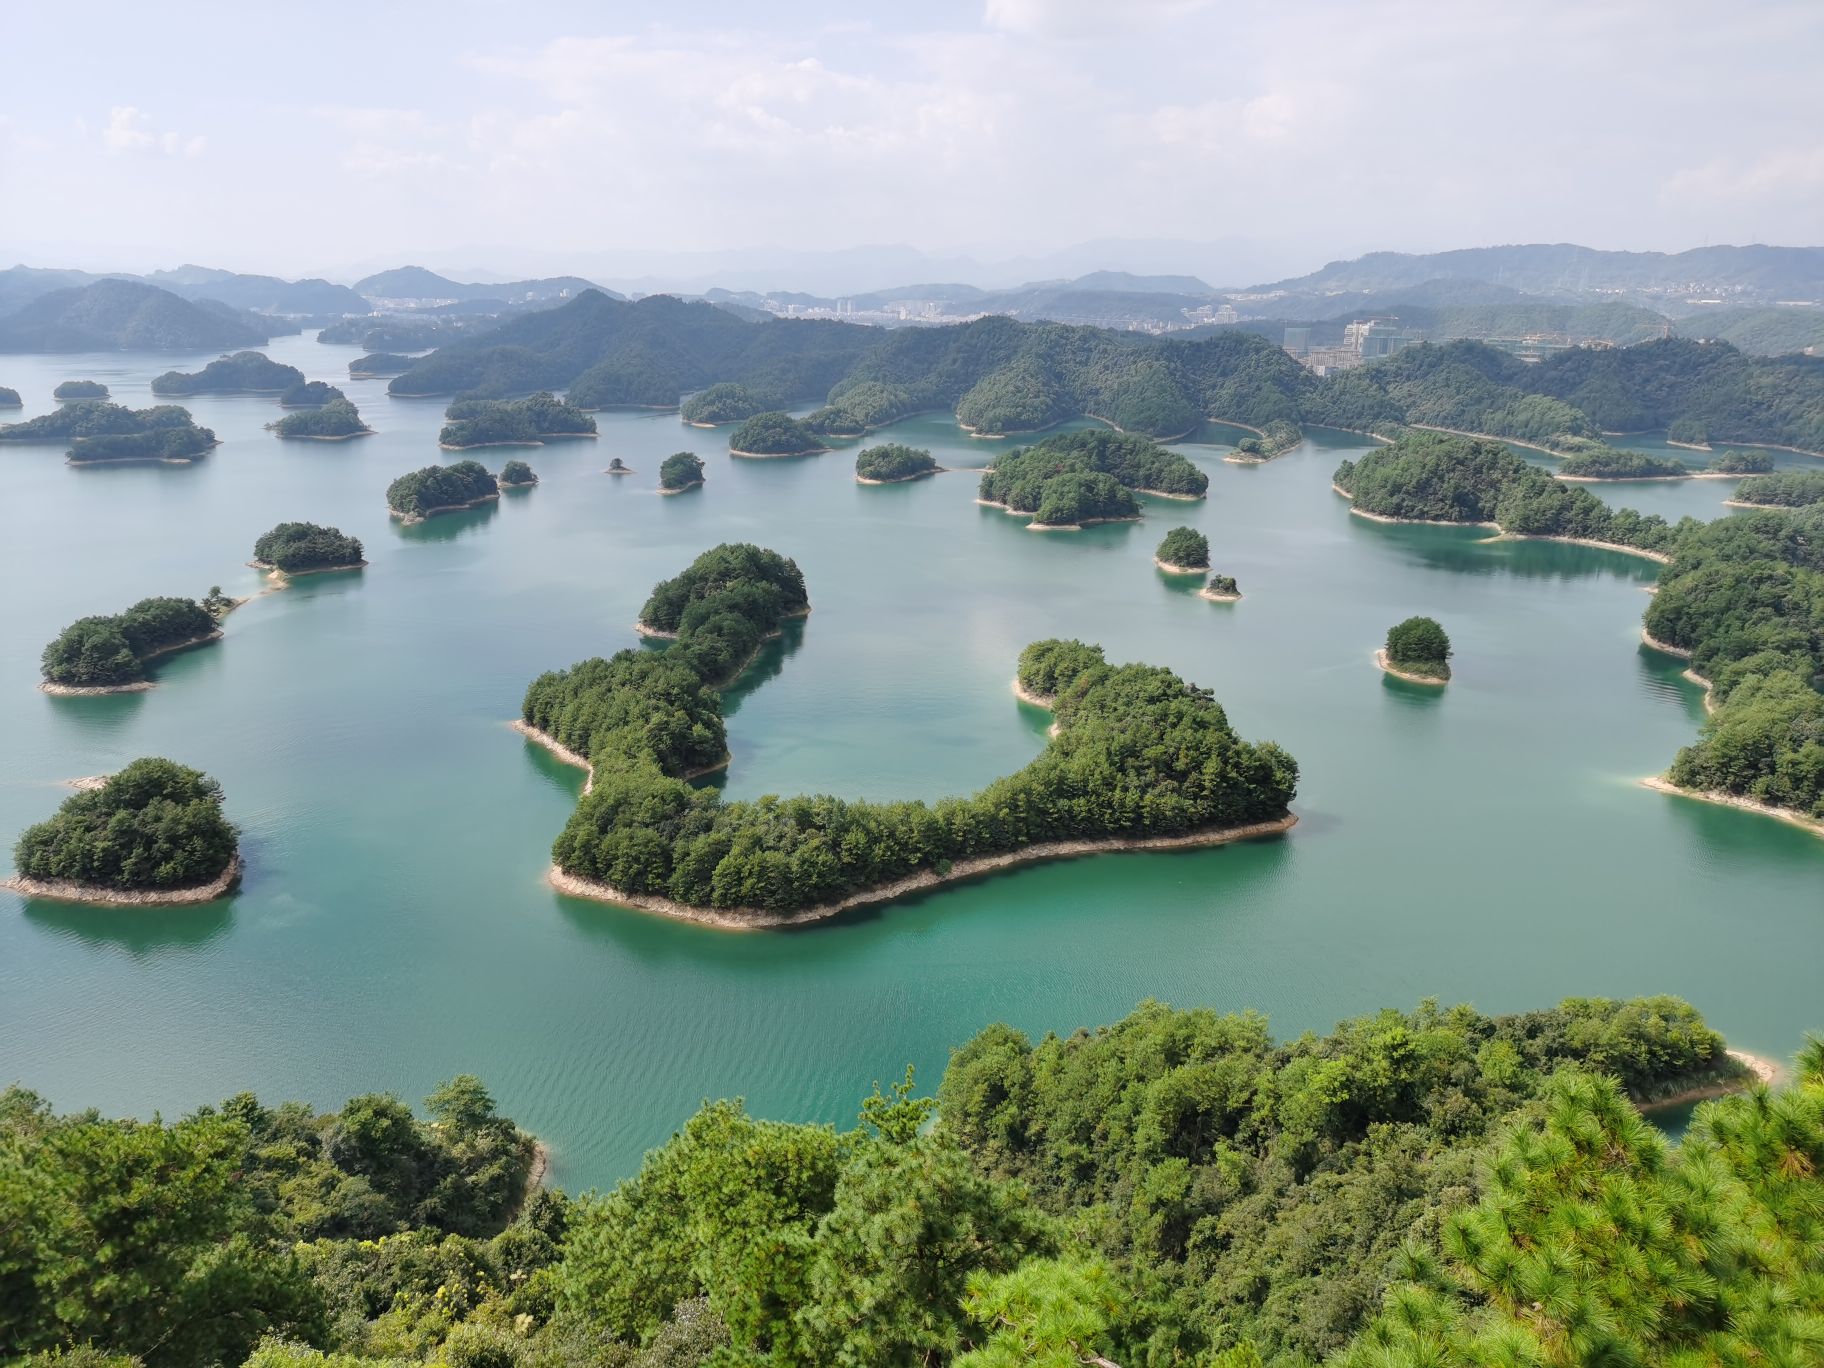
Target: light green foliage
point(1786, 489)
point(1754, 462)
point(726, 403)
point(336, 417)
point(1419, 643)
point(1047, 1313)
point(1080, 476)
point(1607, 463)
point(517, 473)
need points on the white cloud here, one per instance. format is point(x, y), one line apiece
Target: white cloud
point(1084, 18)
point(1784, 173)
point(129, 131)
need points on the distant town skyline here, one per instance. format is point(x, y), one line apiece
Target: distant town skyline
point(1240, 141)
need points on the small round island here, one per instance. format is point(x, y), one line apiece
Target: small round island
point(1185, 551)
point(680, 471)
point(517, 475)
point(1418, 651)
point(153, 833)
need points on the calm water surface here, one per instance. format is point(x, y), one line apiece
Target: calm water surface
point(1485, 843)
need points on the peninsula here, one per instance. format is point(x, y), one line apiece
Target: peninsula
point(642, 837)
point(1275, 439)
point(152, 834)
point(725, 403)
point(110, 653)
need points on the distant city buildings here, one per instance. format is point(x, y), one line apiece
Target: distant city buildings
point(1366, 339)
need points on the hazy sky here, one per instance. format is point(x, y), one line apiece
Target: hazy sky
point(332, 136)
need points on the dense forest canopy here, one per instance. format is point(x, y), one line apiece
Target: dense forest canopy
point(245, 372)
point(1610, 464)
point(1786, 488)
point(380, 363)
point(1744, 596)
point(999, 375)
point(1185, 547)
point(1077, 477)
point(517, 422)
point(1419, 645)
point(175, 443)
point(309, 394)
point(102, 651)
point(1437, 477)
point(155, 825)
point(773, 434)
point(433, 488)
point(9, 398)
point(94, 418)
point(80, 389)
point(726, 403)
point(296, 547)
point(1410, 1190)
point(1138, 753)
point(1754, 462)
point(517, 473)
point(680, 470)
point(336, 418)
point(894, 461)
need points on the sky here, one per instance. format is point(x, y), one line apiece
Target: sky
point(1241, 141)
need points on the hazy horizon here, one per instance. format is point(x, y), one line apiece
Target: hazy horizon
point(1239, 142)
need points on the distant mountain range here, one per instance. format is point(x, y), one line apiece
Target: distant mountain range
point(416, 284)
point(116, 315)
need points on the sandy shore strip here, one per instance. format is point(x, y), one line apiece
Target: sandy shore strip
point(570, 757)
point(327, 436)
point(1660, 784)
point(1648, 479)
point(88, 783)
point(1773, 507)
point(273, 571)
point(1217, 596)
point(1162, 494)
point(777, 455)
point(1175, 437)
point(1657, 557)
point(757, 919)
point(137, 685)
point(1380, 658)
point(1171, 569)
point(413, 519)
point(681, 489)
point(904, 479)
point(1038, 700)
point(63, 890)
point(1076, 526)
point(1489, 437)
point(1762, 1073)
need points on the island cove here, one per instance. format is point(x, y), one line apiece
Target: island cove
point(641, 837)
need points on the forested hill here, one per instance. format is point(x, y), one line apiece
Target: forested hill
point(115, 315)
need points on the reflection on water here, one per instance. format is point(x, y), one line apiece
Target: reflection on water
point(144, 932)
point(445, 527)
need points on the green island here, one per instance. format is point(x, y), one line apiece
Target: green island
point(380, 363)
point(1075, 479)
point(1417, 650)
point(1275, 439)
point(337, 420)
point(9, 398)
point(724, 403)
point(1753, 462)
point(435, 489)
point(242, 372)
point(309, 394)
point(678, 472)
point(619, 467)
point(1221, 589)
point(1408, 1190)
point(1743, 602)
point(1446, 478)
point(80, 389)
point(894, 463)
point(109, 653)
point(301, 548)
point(1183, 551)
point(152, 833)
point(177, 444)
point(94, 418)
point(1607, 463)
point(517, 475)
point(1784, 489)
point(1689, 432)
point(644, 722)
point(773, 434)
point(516, 422)
point(857, 407)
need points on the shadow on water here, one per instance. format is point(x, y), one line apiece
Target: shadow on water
point(1187, 585)
point(444, 527)
point(142, 932)
point(1474, 551)
point(97, 715)
point(325, 584)
point(768, 665)
point(1416, 697)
